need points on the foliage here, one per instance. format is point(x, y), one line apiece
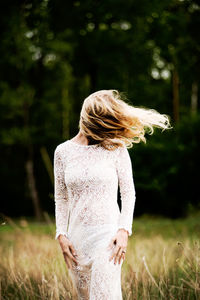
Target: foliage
point(165, 170)
point(54, 53)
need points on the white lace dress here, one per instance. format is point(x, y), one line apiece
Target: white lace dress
point(87, 212)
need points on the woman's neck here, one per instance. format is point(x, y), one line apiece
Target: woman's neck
point(82, 139)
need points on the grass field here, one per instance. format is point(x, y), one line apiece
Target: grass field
point(162, 260)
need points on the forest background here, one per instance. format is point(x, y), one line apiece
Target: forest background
point(53, 54)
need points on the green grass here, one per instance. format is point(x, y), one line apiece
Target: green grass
point(162, 260)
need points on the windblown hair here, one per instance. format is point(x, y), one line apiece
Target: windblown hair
point(112, 122)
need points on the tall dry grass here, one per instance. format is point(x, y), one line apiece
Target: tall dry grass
point(160, 264)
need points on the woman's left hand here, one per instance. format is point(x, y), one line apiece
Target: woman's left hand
point(120, 241)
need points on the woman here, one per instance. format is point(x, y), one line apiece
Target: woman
point(92, 232)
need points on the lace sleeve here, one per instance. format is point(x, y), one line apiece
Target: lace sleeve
point(60, 196)
point(127, 189)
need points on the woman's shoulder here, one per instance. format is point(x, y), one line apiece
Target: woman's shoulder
point(62, 147)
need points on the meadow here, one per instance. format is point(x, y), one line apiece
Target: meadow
point(162, 260)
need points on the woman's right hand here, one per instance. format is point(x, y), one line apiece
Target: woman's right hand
point(68, 250)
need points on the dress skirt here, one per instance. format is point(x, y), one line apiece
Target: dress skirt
point(95, 277)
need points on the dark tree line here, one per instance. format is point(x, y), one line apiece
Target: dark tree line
point(55, 53)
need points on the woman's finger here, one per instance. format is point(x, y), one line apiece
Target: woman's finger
point(114, 253)
point(67, 262)
point(68, 256)
point(71, 256)
point(117, 256)
point(72, 250)
point(124, 254)
point(122, 257)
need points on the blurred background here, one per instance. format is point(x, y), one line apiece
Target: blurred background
point(53, 54)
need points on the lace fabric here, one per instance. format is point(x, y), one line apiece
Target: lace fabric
point(86, 211)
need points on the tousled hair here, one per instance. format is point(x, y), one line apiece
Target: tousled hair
point(106, 117)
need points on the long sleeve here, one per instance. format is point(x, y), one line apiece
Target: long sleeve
point(127, 189)
point(60, 196)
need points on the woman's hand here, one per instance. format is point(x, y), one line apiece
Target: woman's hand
point(68, 250)
point(120, 240)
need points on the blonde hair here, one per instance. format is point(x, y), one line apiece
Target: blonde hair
point(113, 122)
